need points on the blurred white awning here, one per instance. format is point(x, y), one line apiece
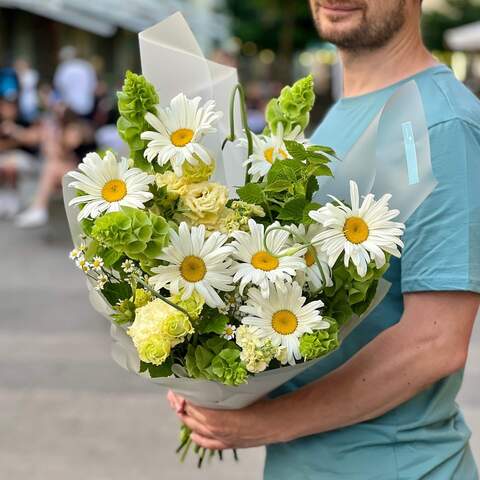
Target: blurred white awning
point(466, 37)
point(103, 17)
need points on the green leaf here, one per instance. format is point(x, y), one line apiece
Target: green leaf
point(293, 210)
point(252, 193)
point(114, 292)
point(319, 171)
point(278, 186)
point(308, 208)
point(312, 187)
point(203, 357)
point(215, 324)
point(157, 371)
point(296, 150)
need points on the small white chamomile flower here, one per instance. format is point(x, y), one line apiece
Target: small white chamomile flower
point(97, 263)
point(229, 332)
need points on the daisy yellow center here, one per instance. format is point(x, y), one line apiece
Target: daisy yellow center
point(264, 261)
point(193, 269)
point(229, 331)
point(355, 230)
point(284, 322)
point(181, 137)
point(268, 154)
point(309, 257)
point(114, 190)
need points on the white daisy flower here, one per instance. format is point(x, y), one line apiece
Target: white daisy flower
point(97, 263)
point(317, 273)
point(262, 266)
point(363, 232)
point(108, 185)
point(283, 317)
point(195, 264)
point(229, 332)
point(179, 130)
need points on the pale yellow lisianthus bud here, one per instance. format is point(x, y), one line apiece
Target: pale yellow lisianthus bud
point(156, 329)
point(193, 305)
point(197, 173)
point(203, 203)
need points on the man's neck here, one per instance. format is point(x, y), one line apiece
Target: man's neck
point(367, 71)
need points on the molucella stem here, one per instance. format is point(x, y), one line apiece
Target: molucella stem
point(161, 297)
point(243, 113)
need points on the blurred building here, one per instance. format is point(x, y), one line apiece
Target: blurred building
point(104, 31)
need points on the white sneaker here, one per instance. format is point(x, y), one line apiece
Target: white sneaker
point(32, 218)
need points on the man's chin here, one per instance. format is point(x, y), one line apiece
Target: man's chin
point(339, 33)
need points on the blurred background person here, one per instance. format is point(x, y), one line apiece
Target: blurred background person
point(19, 149)
point(28, 95)
point(75, 81)
point(65, 142)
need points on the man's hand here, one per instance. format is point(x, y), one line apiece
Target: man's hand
point(225, 429)
point(430, 342)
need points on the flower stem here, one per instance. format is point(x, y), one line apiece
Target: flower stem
point(243, 113)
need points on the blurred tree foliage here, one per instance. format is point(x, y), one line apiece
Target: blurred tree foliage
point(435, 23)
point(280, 25)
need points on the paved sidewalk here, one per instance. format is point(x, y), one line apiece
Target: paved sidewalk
point(67, 411)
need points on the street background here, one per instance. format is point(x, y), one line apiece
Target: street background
point(67, 411)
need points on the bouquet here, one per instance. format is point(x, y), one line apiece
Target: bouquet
point(221, 295)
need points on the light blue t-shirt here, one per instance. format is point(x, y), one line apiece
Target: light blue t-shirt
point(425, 437)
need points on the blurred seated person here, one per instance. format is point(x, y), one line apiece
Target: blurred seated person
point(19, 148)
point(64, 145)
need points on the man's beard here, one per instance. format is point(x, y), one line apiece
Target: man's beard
point(370, 33)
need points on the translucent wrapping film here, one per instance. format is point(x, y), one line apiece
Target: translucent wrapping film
point(392, 156)
point(173, 62)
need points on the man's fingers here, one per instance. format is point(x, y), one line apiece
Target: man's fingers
point(206, 442)
point(176, 402)
point(195, 425)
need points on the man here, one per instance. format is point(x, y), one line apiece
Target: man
point(383, 406)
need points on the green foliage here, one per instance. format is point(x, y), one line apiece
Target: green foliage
point(456, 13)
point(136, 98)
point(216, 359)
point(136, 233)
point(156, 371)
point(212, 321)
point(350, 293)
point(321, 342)
point(292, 107)
point(115, 292)
point(124, 311)
point(288, 188)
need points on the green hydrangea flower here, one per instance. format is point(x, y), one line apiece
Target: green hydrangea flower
point(292, 107)
point(140, 235)
point(216, 359)
point(136, 98)
point(319, 343)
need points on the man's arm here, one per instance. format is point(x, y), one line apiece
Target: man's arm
point(430, 342)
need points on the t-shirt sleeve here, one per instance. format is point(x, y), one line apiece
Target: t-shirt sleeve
point(442, 237)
